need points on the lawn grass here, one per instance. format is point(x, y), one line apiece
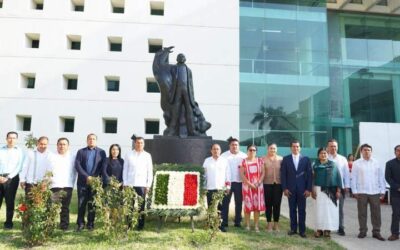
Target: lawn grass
point(173, 235)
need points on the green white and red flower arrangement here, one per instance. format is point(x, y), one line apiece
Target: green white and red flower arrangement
point(176, 190)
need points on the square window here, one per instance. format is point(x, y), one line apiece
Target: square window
point(356, 1)
point(74, 42)
point(37, 4)
point(118, 6)
point(155, 45)
point(28, 80)
point(1, 4)
point(115, 43)
point(67, 124)
point(75, 45)
point(71, 82)
point(35, 44)
point(152, 127)
point(119, 10)
point(24, 123)
point(78, 5)
point(32, 40)
point(112, 83)
point(110, 125)
point(156, 8)
point(152, 85)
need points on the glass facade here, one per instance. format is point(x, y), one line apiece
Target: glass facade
point(310, 74)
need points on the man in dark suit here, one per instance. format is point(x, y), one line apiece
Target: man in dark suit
point(296, 179)
point(88, 164)
point(392, 175)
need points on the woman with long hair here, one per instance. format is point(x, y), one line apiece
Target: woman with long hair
point(113, 164)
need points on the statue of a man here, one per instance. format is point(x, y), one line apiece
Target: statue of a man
point(181, 96)
point(182, 114)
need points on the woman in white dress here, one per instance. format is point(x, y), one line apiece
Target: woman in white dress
point(326, 192)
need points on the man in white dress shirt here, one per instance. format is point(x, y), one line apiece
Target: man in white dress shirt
point(343, 166)
point(11, 159)
point(368, 186)
point(235, 158)
point(36, 164)
point(64, 178)
point(138, 173)
point(217, 177)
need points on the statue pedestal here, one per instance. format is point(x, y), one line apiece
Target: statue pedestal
point(174, 149)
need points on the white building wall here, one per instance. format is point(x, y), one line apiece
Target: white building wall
point(206, 31)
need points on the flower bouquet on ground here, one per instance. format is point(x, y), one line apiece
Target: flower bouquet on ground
point(116, 207)
point(38, 213)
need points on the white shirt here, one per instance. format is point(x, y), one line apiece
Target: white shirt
point(343, 166)
point(11, 160)
point(368, 177)
point(296, 159)
point(63, 169)
point(217, 173)
point(138, 169)
point(35, 166)
point(234, 161)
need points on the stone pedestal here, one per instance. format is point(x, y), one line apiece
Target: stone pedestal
point(174, 149)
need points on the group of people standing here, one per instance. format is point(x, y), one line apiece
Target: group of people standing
point(258, 183)
point(135, 170)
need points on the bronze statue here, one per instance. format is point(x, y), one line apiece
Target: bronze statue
point(182, 114)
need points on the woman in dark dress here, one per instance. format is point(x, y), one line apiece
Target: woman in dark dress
point(113, 165)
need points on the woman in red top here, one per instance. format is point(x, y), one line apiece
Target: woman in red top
point(252, 173)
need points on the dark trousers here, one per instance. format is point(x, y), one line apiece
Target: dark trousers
point(8, 191)
point(236, 190)
point(273, 199)
point(395, 215)
point(375, 206)
point(223, 208)
point(65, 202)
point(297, 207)
point(140, 191)
point(85, 199)
point(341, 214)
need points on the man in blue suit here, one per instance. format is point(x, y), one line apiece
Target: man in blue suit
point(88, 164)
point(296, 179)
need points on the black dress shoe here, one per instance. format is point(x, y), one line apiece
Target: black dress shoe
point(303, 235)
point(222, 229)
point(341, 232)
point(361, 235)
point(291, 232)
point(90, 227)
point(79, 228)
point(237, 225)
point(378, 237)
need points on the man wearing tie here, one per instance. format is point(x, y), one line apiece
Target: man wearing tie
point(88, 164)
point(296, 179)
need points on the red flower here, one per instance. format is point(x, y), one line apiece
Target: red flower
point(22, 207)
point(190, 193)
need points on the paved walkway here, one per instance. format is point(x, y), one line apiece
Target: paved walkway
point(350, 241)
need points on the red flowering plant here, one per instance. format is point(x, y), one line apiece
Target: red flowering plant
point(38, 212)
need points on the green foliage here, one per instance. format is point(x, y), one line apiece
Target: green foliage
point(115, 208)
point(161, 196)
point(182, 168)
point(30, 141)
point(38, 212)
point(213, 214)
